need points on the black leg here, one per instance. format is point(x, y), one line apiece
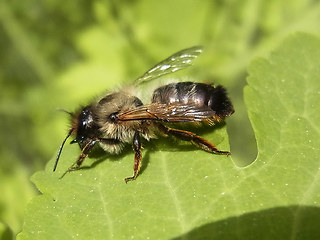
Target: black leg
point(192, 137)
point(88, 147)
point(84, 153)
point(109, 141)
point(137, 157)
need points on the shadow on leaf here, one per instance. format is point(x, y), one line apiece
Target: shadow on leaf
point(154, 145)
point(294, 222)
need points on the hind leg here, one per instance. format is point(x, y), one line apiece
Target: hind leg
point(192, 137)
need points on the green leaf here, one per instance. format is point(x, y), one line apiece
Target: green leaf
point(187, 193)
point(16, 192)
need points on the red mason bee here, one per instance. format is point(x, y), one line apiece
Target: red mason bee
point(120, 117)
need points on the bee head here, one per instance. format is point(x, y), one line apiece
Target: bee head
point(83, 127)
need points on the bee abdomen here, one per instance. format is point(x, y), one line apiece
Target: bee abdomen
point(199, 94)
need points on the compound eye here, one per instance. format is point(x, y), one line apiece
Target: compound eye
point(114, 116)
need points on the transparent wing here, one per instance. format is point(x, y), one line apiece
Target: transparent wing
point(175, 62)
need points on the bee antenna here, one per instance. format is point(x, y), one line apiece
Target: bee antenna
point(65, 111)
point(60, 149)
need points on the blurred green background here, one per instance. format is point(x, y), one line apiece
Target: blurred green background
point(61, 54)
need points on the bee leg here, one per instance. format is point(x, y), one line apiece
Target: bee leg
point(192, 137)
point(84, 153)
point(137, 157)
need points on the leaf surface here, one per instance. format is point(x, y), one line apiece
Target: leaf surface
point(190, 194)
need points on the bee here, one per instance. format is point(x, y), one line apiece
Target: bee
point(121, 118)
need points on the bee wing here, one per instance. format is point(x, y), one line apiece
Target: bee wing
point(175, 62)
point(170, 113)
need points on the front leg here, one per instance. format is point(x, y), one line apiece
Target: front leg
point(84, 153)
point(87, 149)
point(137, 157)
